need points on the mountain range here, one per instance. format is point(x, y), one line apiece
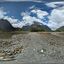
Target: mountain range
point(35, 27)
point(61, 29)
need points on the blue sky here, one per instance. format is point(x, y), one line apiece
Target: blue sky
point(15, 8)
point(34, 0)
point(26, 12)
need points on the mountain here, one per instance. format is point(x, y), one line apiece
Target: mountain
point(61, 29)
point(5, 25)
point(36, 27)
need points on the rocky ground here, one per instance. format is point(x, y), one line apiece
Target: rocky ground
point(32, 47)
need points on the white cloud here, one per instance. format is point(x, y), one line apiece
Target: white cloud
point(18, 24)
point(56, 19)
point(27, 19)
point(32, 7)
point(2, 13)
point(11, 20)
point(24, 13)
point(4, 16)
point(55, 4)
point(40, 14)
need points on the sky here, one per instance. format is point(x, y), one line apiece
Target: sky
point(25, 12)
point(21, 0)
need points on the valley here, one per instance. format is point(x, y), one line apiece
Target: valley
point(32, 47)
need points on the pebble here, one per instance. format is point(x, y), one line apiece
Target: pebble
point(6, 59)
point(42, 51)
point(1, 58)
point(2, 54)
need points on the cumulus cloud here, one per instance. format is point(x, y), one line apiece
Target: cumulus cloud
point(2, 13)
point(4, 16)
point(56, 19)
point(40, 14)
point(55, 4)
point(11, 20)
point(27, 19)
point(14, 22)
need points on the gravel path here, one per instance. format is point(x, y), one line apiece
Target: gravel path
point(32, 48)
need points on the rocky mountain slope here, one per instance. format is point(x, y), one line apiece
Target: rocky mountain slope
point(61, 29)
point(5, 25)
point(36, 27)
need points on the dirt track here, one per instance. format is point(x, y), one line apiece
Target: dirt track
point(32, 48)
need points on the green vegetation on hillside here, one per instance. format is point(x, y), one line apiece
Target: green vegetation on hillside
point(61, 29)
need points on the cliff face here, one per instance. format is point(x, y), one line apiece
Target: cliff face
point(6, 26)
